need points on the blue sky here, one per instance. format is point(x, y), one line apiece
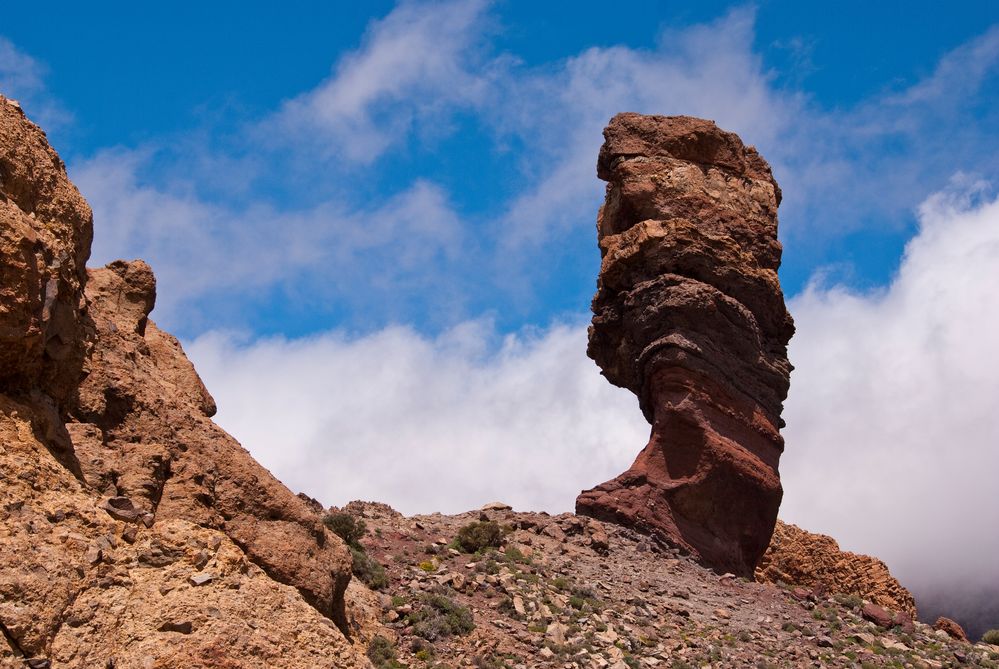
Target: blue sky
point(372, 225)
point(465, 128)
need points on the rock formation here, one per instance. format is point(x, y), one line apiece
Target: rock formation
point(133, 531)
point(689, 316)
point(815, 561)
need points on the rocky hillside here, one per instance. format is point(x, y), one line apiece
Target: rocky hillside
point(495, 588)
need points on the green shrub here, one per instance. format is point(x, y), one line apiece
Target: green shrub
point(487, 566)
point(992, 637)
point(479, 535)
point(514, 554)
point(347, 527)
point(439, 616)
point(583, 597)
point(850, 601)
point(368, 569)
point(382, 653)
point(488, 662)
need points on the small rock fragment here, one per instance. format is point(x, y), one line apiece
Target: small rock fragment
point(201, 578)
point(184, 627)
point(121, 508)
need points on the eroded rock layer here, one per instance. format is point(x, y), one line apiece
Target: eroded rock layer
point(133, 531)
point(800, 558)
point(689, 315)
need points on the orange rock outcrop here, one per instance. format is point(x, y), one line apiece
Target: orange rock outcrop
point(800, 558)
point(133, 531)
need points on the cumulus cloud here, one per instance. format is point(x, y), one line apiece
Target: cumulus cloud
point(420, 60)
point(203, 250)
point(707, 70)
point(442, 424)
point(892, 431)
point(22, 78)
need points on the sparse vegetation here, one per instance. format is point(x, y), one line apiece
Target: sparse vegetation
point(368, 569)
point(850, 601)
point(438, 616)
point(479, 535)
point(489, 662)
point(382, 653)
point(992, 637)
point(363, 566)
point(514, 554)
point(584, 599)
point(347, 527)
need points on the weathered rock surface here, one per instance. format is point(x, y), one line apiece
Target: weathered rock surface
point(799, 558)
point(133, 531)
point(950, 628)
point(44, 245)
point(689, 315)
point(142, 430)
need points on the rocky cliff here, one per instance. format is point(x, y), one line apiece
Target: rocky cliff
point(133, 531)
point(689, 315)
point(815, 561)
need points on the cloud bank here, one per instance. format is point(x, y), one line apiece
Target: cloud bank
point(444, 424)
point(892, 430)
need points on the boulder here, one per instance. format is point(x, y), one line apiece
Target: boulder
point(876, 615)
point(951, 628)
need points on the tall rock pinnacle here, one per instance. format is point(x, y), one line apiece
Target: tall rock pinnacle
point(689, 315)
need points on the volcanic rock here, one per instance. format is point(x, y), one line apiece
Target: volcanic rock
point(44, 245)
point(142, 429)
point(801, 558)
point(116, 488)
point(689, 315)
point(953, 630)
point(876, 615)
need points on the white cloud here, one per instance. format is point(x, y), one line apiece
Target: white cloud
point(959, 73)
point(22, 78)
point(706, 70)
point(19, 73)
point(442, 424)
point(892, 431)
point(200, 249)
point(420, 60)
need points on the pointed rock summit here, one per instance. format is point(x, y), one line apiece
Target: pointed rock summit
point(689, 316)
